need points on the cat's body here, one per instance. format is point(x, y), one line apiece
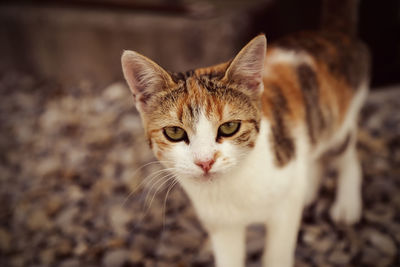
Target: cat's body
point(246, 138)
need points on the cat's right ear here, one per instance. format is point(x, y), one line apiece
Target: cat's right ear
point(246, 68)
point(144, 77)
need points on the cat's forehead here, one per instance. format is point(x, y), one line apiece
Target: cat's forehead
point(201, 91)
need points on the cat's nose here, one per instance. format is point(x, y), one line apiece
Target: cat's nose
point(205, 165)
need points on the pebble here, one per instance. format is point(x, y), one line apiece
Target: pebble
point(116, 91)
point(38, 220)
point(381, 241)
point(370, 256)
point(169, 251)
point(339, 257)
point(53, 205)
point(116, 258)
point(311, 234)
point(5, 240)
point(65, 220)
point(322, 245)
point(47, 256)
point(70, 263)
point(119, 218)
point(80, 248)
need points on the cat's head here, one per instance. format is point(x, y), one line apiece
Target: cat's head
point(201, 123)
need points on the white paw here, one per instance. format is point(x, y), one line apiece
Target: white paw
point(347, 212)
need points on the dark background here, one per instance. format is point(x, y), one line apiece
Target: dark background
point(77, 178)
point(81, 40)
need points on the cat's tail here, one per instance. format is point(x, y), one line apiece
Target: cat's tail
point(340, 16)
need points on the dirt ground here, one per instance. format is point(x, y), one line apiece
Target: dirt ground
point(79, 187)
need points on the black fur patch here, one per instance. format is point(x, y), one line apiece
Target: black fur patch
point(283, 144)
point(310, 89)
point(337, 150)
point(344, 57)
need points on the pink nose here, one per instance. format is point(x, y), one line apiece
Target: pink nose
point(205, 165)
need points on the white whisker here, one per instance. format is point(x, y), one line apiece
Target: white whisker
point(165, 200)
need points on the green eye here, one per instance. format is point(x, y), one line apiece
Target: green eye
point(229, 128)
point(175, 133)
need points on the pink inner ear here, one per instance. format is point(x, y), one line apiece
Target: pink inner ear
point(143, 76)
point(248, 65)
point(133, 67)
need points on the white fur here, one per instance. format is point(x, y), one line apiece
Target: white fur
point(242, 191)
point(245, 186)
point(252, 189)
point(348, 203)
point(290, 58)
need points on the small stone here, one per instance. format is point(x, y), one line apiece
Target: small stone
point(5, 240)
point(47, 256)
point(64, 247)
point(136, 256)
point(382, 242)
point(144, 243)
point(47, 166)
point(132, 124)
point(339, 257)
point(116, 91)
point(115, 243)
point(323, 245)
point(53, 205)
point(311, 234)
point(370, 255)
point(169, 251)
point(204, 255)
point(70, 263)
point(116, 258)
point(80, 249)
point(65, 219)
point(38, 220)
point(18, 261)
point(299, 263)
point(75, 193)
point(119, 218)
point(184, 240)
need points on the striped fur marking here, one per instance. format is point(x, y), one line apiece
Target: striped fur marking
point(310, 88)
point(337, 150)
point(282, 142)
point(343, 56)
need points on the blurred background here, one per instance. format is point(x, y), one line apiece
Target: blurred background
point(80, 187)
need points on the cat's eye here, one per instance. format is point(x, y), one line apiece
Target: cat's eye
point(175, 134)
point(228, 128)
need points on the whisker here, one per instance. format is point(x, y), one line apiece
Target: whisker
point(170, 177)
point(165, 200)
point(156, 179)
point(148, 179)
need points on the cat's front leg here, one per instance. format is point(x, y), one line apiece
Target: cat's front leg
point(228, 246)
point(282, 230)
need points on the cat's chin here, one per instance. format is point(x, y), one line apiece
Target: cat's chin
point(206, 177)
point(203, 177)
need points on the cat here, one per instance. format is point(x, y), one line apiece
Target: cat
point(245, 138)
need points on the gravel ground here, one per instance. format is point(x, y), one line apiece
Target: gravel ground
point(78, 187)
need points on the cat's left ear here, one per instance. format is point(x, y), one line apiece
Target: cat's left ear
point(247, 67)
point(144, 77)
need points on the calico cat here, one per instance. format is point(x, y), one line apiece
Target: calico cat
point(245, 138)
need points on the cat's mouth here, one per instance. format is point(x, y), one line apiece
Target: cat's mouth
point(208, 176)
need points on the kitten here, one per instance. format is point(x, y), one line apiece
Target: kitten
point(245, 138)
